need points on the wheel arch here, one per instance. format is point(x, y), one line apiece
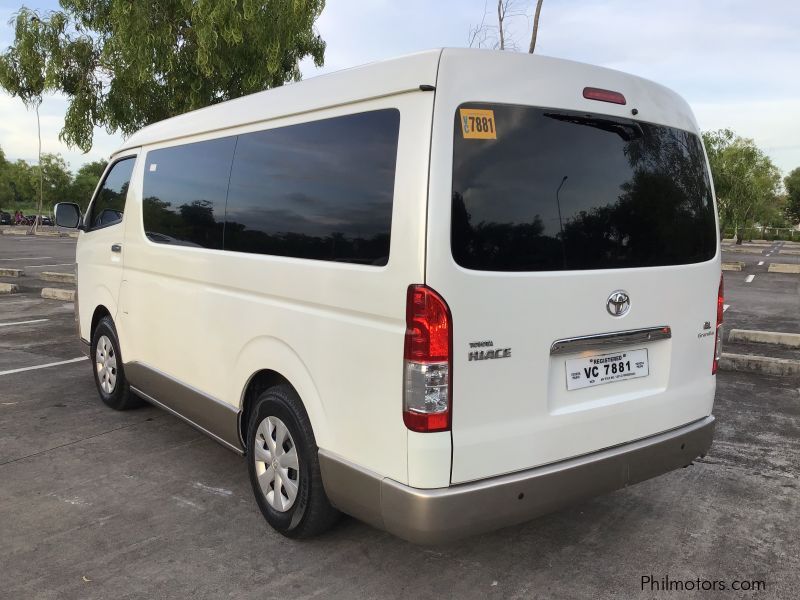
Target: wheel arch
point(100, 311)
point(100, 299)
point(259, 382)
point(285, 367)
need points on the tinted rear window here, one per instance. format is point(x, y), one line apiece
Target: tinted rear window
point(559, 190)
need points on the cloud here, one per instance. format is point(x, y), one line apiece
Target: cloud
point(18, 133)
point(734, 61)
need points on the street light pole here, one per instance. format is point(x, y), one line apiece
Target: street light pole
point(560, 222)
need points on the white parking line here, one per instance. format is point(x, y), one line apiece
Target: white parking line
point(53, 364)
point(761, 262)
point(23, 322)
point(31, 258)
point(725, 307)
point(749, 278)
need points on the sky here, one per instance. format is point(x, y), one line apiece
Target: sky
point(735, 62)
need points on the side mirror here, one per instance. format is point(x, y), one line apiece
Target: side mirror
point(68, 214)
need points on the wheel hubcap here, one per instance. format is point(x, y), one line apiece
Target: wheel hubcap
point(277, 468)
point(105, 363)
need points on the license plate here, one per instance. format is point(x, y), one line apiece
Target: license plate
point(606, 368)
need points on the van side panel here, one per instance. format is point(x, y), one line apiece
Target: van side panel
point(334, 330)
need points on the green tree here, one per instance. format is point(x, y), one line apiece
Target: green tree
point(792, 184)
point(6, 197)
point(24, 69)
point(746, 181)
point(57, 180)
point(125, 64)
point(85, 182)
point(18, 185)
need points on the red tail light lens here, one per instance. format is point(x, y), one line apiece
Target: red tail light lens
point(718, 338)
point(591, 93)
point(427, 364)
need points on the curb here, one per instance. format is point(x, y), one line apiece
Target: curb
point(57, 277)
point(10, 272)
point(782, 367)
point(58, 294)
point(730, 242)
point(60, 234)
point(8, 288)
point(790, 340)
point(740, 250)
point(732, 266)
point(783, 268)
point(789, 252)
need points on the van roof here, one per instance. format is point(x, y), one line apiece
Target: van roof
point(373, 80)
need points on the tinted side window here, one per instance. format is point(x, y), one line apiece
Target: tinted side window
point(184, 193)
point(109, 204)
point(321, 190)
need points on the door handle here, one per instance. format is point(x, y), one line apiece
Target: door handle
point(116, 247)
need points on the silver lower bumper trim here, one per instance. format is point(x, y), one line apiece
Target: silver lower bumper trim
point(444, 514)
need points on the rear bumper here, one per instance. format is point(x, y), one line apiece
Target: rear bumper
point(444, 514)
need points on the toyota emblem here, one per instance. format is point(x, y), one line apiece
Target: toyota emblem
point(618, 303)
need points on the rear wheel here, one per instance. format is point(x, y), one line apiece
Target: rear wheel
point(284, 466)
point(109, 374)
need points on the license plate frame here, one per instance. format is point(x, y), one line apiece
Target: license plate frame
point(600, 369)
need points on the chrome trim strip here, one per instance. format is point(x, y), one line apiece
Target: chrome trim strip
point(431, 516)
point(216, 419)
point(602, 341)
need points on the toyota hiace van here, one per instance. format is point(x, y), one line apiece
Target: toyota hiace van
point(444, 293)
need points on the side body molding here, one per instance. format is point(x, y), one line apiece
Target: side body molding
point(212, 417)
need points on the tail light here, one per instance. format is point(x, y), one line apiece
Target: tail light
point(718, 339)
point(427, 361)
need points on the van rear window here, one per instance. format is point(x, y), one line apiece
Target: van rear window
point(555, 190)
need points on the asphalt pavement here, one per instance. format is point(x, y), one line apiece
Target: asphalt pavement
point(102, 504)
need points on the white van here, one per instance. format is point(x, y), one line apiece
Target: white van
point(443, 294)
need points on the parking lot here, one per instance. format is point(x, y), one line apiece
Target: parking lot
point(98, 504)
point(765, 301)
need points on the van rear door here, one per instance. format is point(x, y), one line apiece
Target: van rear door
point(576, 246)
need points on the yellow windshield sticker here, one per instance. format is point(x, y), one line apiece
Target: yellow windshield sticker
point(478, 124)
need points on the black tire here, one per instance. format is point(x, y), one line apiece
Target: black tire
point(311, 513)
point(120, 397)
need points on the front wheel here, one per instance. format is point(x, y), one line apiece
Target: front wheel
point(284, 466)
point(109, 374)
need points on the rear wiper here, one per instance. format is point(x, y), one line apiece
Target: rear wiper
point(627, 131)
